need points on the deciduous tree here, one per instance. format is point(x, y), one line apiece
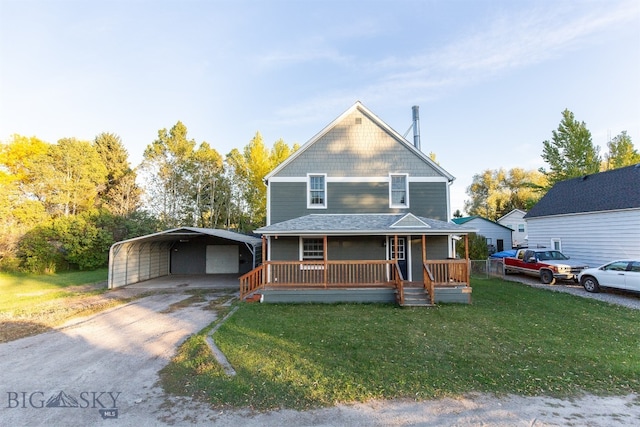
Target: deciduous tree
point(121, 195)
point(494, 193)
point(621, 152)
point(570, 153)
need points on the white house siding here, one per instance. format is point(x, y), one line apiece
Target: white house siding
point(595, 238)
point(491, 231)
point(513, 220)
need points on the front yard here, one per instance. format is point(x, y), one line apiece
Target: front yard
point(512, 339)
point(31, 304)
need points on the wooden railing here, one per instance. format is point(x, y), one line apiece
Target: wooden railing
point(450, 272)
point(429, 282)
point(321, 274)
point(251, 281)
point(352, 274)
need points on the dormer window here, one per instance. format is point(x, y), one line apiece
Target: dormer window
point(398, 191)
point(316, 191)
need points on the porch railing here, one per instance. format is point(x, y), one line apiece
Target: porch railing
point(321, 274)
point(450, 272)
point(352, 274)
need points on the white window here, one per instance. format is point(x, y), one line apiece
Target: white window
point(521, 228)
point(556, 244)
point(398, 191)
point(317, 191)
point(312, 249)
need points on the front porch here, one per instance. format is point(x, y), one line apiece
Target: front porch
point(360, 258)
point(357, 281)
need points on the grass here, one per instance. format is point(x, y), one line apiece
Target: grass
point(31, 304)
point(513, 339)
point(22, 291)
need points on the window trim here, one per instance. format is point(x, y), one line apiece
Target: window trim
point(301, 248)
point(406, 190)
point(553, 244)
point(309, 204)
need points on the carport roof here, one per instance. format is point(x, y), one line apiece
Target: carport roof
point(184, 232)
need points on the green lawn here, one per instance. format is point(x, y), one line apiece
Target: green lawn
point(31, 304)
point(22, 292)
point(512, 339)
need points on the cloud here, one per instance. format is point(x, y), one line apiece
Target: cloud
point(508, 42)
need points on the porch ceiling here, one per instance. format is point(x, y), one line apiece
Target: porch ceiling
point(363, 224)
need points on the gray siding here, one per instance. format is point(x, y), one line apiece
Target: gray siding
point(352, 149)
point(339, 248)
point(357, 248)
point(285, 249)
point(437, 248)
point(289, 199)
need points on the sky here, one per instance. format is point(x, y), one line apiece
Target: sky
point(491, 78)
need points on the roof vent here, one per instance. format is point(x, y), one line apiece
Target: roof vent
point(584, 178)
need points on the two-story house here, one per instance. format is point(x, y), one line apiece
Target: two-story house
point(359, 214)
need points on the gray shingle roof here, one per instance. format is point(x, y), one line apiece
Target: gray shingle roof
point(605, 191)
point(363, 224)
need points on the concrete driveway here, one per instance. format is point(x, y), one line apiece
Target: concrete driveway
point(98, 370)
point(192, 281)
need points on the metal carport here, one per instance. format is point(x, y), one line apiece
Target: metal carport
point(185, 250)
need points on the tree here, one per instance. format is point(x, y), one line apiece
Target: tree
point(478, 248)
point(166, 164)
point(121, 195)
point(570, 153)
point(71, 175)
point(249, 169)
point(494, 193)
point(621, 153)
point(208, 190)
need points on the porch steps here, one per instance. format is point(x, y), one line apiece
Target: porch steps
point(416, 297)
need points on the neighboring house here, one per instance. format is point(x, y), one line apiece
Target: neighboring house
point(516, 222)
point(594, 218)
point(358, 214)
point(498, 236)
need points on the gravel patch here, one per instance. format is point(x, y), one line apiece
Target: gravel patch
point(611, 296)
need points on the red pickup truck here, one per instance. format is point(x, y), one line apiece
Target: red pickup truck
point(547, 264)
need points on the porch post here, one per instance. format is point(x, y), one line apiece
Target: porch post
point(424, 249)
point(395, 248)
point(264, 258)
point(466, 257)
point(324, 257)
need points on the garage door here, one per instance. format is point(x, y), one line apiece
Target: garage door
point(222, 259)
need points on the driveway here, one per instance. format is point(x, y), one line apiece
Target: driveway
point(97, 368)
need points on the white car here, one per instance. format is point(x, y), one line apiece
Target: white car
point(623, 274)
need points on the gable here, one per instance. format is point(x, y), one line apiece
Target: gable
point(409, 220)
point(514, 215)
point(358, 144)
point(605, 191)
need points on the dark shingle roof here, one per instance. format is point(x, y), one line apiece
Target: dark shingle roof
point(363, 224)
point(605, 191)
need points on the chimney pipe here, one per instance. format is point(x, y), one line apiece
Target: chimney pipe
point(416, 127)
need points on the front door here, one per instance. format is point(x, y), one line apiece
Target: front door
point(400, 254)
